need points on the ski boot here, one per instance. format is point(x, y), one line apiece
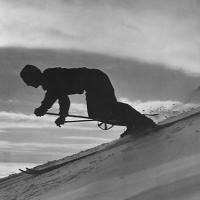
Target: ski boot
point(139, 127)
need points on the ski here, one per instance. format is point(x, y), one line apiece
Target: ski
point(106, 147)
point(25, 171)
point(151, 114)
point(48, 169)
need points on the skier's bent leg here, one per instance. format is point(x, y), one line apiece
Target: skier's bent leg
point(134, 119)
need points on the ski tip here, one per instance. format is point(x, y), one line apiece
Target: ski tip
point(28, 171)
point(22, 170)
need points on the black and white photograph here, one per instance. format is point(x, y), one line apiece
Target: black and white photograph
point(99, 99)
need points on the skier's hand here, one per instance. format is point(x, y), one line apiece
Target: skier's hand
point(60, 121)
point(40, 111)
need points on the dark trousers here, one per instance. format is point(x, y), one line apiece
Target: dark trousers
point(102, 102)
point(100, 95)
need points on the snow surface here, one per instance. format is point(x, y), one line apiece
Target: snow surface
point(162, 165)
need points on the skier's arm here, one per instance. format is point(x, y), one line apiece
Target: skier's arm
point(48, 101)
point(64, 104)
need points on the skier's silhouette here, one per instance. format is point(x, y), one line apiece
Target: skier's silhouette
point(100, 95)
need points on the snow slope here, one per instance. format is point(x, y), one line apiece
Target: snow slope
point(162, 165)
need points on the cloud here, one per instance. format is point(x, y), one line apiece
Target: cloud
point(44, 147)
point(57, 33)
point(5, 145)
point(75, 108)
point(165, 32)
point(10, 120)
point(86, 138)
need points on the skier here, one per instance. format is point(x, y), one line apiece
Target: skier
point(100, 96)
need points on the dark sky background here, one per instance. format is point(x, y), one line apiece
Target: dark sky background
point(132, 79)
point(150, 49)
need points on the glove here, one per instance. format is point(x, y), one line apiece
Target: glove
point(60, 121)
point(40, 111)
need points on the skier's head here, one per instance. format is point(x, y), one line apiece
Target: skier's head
point(31, 75)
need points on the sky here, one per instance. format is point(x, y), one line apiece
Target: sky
point(150, 49)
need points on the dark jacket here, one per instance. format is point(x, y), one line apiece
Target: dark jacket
point(61, 82)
